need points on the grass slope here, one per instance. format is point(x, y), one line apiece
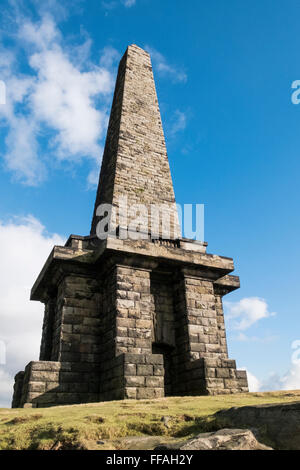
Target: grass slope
point(126, 424)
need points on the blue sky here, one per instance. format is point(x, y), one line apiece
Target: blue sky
point(223, 73)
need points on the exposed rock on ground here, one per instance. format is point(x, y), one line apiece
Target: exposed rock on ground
point(224, 439)
point(276, 424)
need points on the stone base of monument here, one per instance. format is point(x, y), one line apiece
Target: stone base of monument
point(135, 376)
point(212, 376)
point(48, 383)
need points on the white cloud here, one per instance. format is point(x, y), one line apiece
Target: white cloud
point(255, 339)
point(60, 98)
point(22, 156)
point(109, 55)
point(128, 3)
point(288, 381)
point(93, 177)
point(109, 5)
point(178, 122)
point(165, 69)
point(112, 4)
point(6, 386)
point(243, 314)
point(253, 382)
point(24, 247)
point(42, 35)
point(291, 380)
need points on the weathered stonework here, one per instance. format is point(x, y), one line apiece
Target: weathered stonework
point(131, 318)
point(135, 162)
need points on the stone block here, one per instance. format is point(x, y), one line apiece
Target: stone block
point(146, 393)
point(243, 383)
point(241, 374)
point(37, 386)
point(215, 383)
point(229, 383)
point(145, 369)
point(47, 397)
point(155, 381)
point(126, 322)
point(130, 369)
point(158, 369)
point(229, 363)
point(134, 358)
point(198, 347)
point(134, 381)
point(154, 359)
point(223, 373)
point(210, 372)
point(44, 376)
point(130, 392)
point(45, 365)
point(125, 303)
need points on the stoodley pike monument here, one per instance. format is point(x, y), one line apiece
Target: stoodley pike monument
point(132, 313)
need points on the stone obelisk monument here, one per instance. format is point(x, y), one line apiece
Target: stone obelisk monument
point(131, 317)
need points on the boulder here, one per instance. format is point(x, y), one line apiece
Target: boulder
point(224, 439)
point(277, 424)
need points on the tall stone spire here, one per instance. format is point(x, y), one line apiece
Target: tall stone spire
point(135, 162)
point(126, 318)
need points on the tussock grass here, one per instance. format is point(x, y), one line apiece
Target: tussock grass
point(86, 426)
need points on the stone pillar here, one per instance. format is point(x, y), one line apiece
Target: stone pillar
point(135, 376)
point(47, 332)
point(202, 318)
point(130, 369)
point(133, 310)
point(219, 292)
point(203, 366)
point(77, 332)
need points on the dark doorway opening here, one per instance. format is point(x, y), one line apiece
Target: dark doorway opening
point(166, 350)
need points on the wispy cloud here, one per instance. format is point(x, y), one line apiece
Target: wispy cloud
point(244, 313)
point(288, 381)
point(109, 4)
point(164, 68)
point(253, 382)
point(255, 339)
point(109, 56)
point(178, 122)
point(112, 4)
point(58, 98)
point(274, 381)
point(129, 3)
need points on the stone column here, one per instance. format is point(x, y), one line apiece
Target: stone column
point(130, 369)
point(133, 310)
point(47, 333)
point(77, 333)
point(196, 336)
point(219, 292)
point(201, 317)
point(134, 376)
